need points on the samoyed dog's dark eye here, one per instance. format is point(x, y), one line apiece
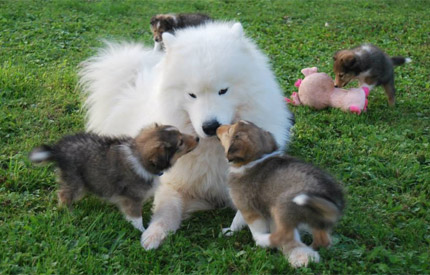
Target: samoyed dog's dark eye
point(223, 91)
point(192, 95)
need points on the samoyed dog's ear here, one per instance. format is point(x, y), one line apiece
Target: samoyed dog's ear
point(168, 39)
point(237, 30)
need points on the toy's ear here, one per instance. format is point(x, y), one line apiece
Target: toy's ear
point(309, 71)
point(168, 39)
point(237, 29)
point(298, 83)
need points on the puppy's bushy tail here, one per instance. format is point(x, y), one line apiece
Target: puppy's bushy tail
point(327, 210)
point(42, 153)
point(400, 60)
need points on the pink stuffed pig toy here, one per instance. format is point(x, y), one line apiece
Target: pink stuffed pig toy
point(317, 90)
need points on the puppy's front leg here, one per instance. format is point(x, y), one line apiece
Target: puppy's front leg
point(167, 216)
point(237, 224)
point(157, 46)
point(259, 228)
point(132, 209)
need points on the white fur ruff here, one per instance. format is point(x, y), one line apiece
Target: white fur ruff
point(129, 86)
point(135, 164)
point(243, 168)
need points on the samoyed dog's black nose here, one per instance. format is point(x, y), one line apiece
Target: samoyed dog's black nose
point(209, 127)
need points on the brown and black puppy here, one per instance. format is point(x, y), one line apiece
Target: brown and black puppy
point(161, 23)
point(123, 170)
point(370, 65)
point(268, 186)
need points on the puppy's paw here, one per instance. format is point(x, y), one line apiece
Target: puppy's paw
point(153, 237)
point(262, 240)
point(137, 223)
point(302, 256)
point(227, 232)
point(141, 228)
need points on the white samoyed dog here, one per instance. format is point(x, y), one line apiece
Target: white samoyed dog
point(209, 75)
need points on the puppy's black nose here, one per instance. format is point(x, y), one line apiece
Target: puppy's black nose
point(209, 127)
point(336, 86)
point(197, 139)
point(157, 39)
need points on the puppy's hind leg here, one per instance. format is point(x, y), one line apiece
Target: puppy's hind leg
point(287, 238)
point(168, 211)
point(390, 91)
point(67, 194)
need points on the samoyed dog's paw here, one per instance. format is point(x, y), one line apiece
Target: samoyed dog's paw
point(153, 237)
point(302, 256)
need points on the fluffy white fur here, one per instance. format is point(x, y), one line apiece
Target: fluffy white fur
point(129, 86)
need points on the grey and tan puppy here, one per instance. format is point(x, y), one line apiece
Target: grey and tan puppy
point(171, 22)
point(268, 186)
point(370, 65)
point(123, 170)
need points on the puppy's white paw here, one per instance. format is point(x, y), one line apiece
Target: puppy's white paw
point(153, 237)
point(141, 228)
point(137, 223)
point(302, 256)
point(262, 240)
point(227, 232)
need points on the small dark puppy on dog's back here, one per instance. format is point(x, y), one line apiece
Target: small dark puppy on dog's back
point(171, 22)
point(122, 170)
point(269, 186)
point(370, 65)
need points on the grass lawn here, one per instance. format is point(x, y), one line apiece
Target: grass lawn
point(382, 156)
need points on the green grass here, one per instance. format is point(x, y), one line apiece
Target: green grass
point(381, 156)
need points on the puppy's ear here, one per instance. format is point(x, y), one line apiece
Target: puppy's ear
point(350, 61)
point(270, 143)
point(168, 39)
point(170, 22)
point(154, 20)
point(237, 30)
point(161, 160)
point(234, 153)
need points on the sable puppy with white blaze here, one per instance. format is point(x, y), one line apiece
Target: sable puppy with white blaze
point(370, 65)
point(122, 170)
point(162, 23)
point(269, 186)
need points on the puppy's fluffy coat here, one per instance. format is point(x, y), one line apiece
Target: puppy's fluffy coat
point(121, 170)
point(370, 65)
point(162, 23)
point(268, 186)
